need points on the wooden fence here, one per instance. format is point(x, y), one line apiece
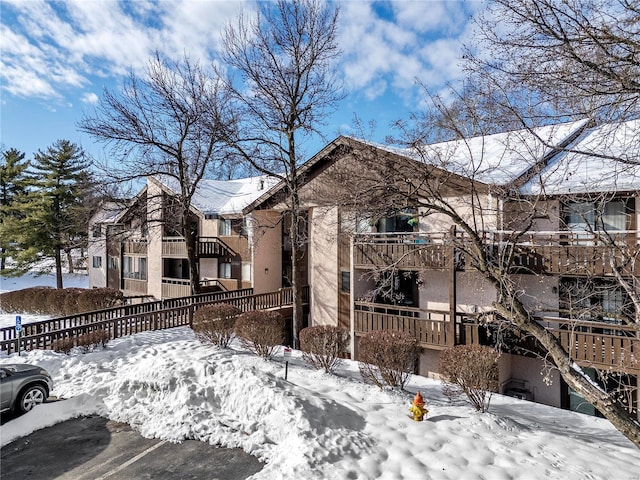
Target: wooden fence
point(129, 319)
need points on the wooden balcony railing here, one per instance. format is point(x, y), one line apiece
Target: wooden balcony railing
point(132, 285)
point(134, 247)
point(429, 327)
point(590, 344)
point(564, 253)
point(207, 247)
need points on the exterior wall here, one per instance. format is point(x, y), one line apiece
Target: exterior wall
point(428, 364)
point(438, 223)
point(154, 241)
point(323, 266)
point(265, 237)
point(540, 292)
point(208, 268)
point(532, 370)
point(474, 293)
point(97, 248)
point(208, 227)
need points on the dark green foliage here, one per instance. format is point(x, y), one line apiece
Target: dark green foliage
point(387, 357)
point(261, 332)
point(323, 346)
point(51, 214)
point(471, 370)
point(59, 302)
point(215, 323)
point(12, 187)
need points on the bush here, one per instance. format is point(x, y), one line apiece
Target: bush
point(215, 323)
point(63, 345)
point(387, 357)
point(261, 332)
point(59, 302)
point(87, 341)
point(471, 370)
point(322, 346)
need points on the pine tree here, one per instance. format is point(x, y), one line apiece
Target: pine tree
point(12, 186)
point(50, 217)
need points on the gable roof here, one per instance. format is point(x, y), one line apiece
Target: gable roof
point(498, 159)
point(222, 197)
point(605, 158)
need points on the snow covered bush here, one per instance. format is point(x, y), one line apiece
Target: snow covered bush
point(215, 323)
point(471, 370)
point(322, 346)
point(87, 342)
point(261, 332)
point(387, 357)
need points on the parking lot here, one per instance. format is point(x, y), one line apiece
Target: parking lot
point(94, 448)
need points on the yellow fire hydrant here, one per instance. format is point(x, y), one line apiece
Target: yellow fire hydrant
point(417, 408)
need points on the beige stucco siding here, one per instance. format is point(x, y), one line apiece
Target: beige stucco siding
point(154, 241)
point(265, 234)
point(323, 266)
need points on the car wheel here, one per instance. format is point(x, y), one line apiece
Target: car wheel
point(30, 397)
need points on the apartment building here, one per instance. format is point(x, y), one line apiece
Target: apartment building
point(385, 247)
point(560, 200)
point(139, 247)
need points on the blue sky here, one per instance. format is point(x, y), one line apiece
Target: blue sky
point(56, 58)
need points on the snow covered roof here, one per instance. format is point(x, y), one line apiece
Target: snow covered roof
point(224, 197)
point(109, 212)
point(603, 159)
point(497, 159)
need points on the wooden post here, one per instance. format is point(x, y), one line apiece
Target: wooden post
point(453, 300)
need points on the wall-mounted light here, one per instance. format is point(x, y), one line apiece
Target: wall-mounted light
point(266, 271)
point(554, 289)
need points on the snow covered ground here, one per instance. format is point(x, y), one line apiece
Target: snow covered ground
point(168, 385)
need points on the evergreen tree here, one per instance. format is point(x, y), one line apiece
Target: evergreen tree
point(50, 217)
point(12, 186)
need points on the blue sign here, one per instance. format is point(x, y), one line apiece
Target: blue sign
point(18, 323)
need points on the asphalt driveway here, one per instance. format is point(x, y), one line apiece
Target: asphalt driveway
point(94, 448)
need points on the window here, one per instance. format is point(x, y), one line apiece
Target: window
point(97, 231)
point(97, 262)
point(345, 282)
point(113, 263)
point(134, 268)
point(404, 221)
point(224, 228)
point(355, 223)
point(586, 216)
point(224, 270)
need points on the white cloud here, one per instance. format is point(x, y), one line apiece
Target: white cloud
point(50, 48)
point(90, 98)
point(393, 47)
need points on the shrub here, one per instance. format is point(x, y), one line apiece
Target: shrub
point(215, 323)
point(59, 302)
point(471, 370)
point(323, 345)
point(90, 340)
point(387, 357)
point(63, 345)
point(260, 332)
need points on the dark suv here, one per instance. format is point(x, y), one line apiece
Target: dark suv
point(22, 387)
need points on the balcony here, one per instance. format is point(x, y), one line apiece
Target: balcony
point(207, 247)
point(590, 344)
point(561, 253)
point(134, 247)
point(135, 286)
point(408, 251)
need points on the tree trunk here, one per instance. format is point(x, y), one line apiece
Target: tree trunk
point(593, 394)
point(296, 288)
point(69, 261)
point(190, 238)
point(58, 257)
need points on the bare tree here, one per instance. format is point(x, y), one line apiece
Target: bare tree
point(284, 56)
point(168, 123)
point(579, 57)
point(457, 184)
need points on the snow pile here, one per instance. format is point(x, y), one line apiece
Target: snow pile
point(316, 426)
